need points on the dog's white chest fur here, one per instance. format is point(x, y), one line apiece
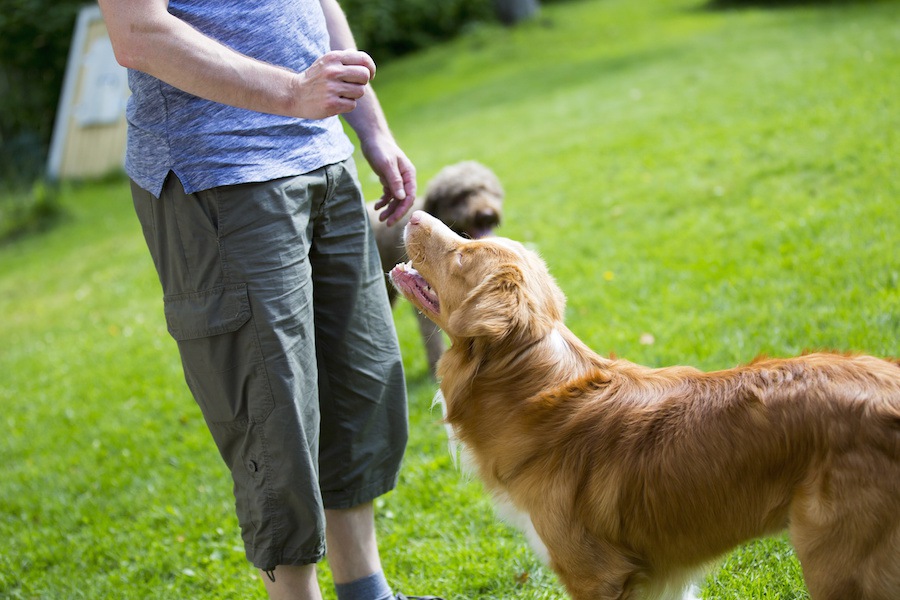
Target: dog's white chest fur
point(506, 510)
point(522, 521)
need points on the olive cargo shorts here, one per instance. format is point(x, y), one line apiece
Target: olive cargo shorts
point(275, 296)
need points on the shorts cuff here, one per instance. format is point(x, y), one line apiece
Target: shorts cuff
point(266, 560)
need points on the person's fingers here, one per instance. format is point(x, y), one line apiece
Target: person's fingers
point(355, 58)
point(397, 175)
point(392, 181)
point(349, 90)
point(389, 214)
point(382, 202)
point(354, 74)
point(408, 173)
point(398, 197)
point(331, 87)
point(396, 211)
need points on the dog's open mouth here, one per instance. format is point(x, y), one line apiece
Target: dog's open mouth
point(412, 285)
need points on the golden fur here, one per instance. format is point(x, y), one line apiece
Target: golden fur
point(468, 198)
point(634, 478)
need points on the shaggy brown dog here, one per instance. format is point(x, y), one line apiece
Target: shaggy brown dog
point(634, 478)
point(466, 196)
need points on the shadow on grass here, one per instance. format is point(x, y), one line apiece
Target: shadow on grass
point(776, 4)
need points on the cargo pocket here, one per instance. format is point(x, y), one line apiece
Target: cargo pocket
point(223, 364)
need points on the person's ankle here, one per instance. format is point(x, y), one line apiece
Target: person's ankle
point(371, 587)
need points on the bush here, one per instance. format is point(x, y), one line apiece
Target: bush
point(394, 27)
point(34, 45)
point(28, 210)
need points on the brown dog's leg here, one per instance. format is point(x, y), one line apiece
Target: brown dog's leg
point(831, 573)
point(597, 586)
point(846, 532)
point(594, 570)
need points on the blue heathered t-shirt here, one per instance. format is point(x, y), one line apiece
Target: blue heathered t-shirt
point(207, 144)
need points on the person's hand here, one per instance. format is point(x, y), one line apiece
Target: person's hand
point(332, 85)
point(397, 175)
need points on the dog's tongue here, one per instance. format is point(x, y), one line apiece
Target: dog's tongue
point(412, 285)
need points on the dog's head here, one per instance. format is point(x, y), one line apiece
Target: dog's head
point(468, 197)
point(491, 288)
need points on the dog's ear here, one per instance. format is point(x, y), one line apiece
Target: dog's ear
point(497, 307)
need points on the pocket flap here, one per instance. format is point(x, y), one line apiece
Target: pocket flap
point(209, 312)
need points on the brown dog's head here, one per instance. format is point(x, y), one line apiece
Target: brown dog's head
point(468, 197)
point(490, 288)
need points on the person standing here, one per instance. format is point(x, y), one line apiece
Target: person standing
point(243, 180)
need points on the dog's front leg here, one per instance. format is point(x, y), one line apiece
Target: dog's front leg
point(580, 588)
point(629, 590)
point(593, 570)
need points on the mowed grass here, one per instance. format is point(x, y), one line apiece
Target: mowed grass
point(706, 185)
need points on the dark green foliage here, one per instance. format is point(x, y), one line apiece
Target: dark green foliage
point(28, 210)
point(34, 44)
point(394, 27)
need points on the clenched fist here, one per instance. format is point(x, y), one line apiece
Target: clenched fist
point(333, 84)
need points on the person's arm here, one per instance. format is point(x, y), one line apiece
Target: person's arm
point(388, 161)
point(147, 38)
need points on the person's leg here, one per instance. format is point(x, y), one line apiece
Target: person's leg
point(293, 583)
point(362, 388)
point(352, 556)
point(362, 391)
point(238, 300)
point(352, 546)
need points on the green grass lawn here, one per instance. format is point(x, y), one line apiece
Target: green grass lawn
point(725, 181)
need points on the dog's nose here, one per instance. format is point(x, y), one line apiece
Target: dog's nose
point(486, 219)
point(416, 217)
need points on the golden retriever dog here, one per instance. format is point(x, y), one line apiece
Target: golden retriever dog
point(631, 480)
point(468, 198)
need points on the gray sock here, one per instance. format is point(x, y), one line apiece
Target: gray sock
point(373, 587)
